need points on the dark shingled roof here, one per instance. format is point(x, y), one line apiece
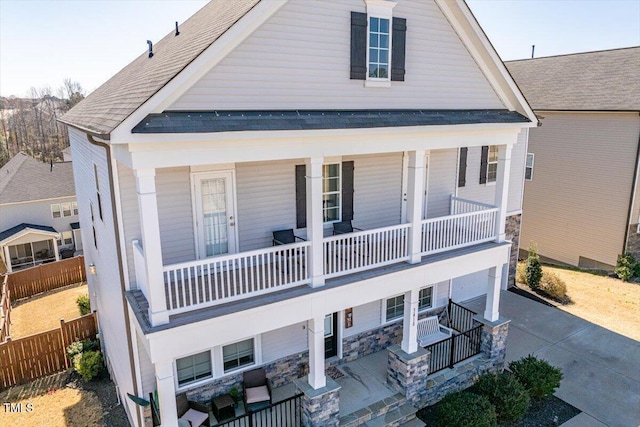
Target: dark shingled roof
point(109, 105)
point(236, 121)
point(18, 228)
point(607, 80)
point(75, 225)
point(25, 179)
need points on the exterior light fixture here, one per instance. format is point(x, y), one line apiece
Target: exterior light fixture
point(92, 269)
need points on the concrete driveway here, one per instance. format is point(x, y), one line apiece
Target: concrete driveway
point(601, 368)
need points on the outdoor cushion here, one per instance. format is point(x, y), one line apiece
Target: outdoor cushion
point(257, 394)
point(195, 417)
point(183, 422)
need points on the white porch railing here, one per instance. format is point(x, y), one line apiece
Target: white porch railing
point(140, 266)
point(364, 250)
point(459, 205)
point(457, 231)
point(202, 283)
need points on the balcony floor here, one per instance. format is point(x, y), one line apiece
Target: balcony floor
point(140, 305)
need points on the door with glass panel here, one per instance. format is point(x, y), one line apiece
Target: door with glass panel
point(215, 216)
point(330, 335)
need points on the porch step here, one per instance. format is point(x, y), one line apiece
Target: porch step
point(395, 418)
point(416, 422)
point(375, 410)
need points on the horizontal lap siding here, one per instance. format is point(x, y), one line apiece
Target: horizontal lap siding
point(130, 215)
point(365, 317)
point(284, 342)
point(38, 212)
point(442, 181)
point(578, 201)
point(442, 296)
point(147, 371)
point(300, 59)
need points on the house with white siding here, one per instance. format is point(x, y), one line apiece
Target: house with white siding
point(582, 200)
point(394, 117)
point(38, 212)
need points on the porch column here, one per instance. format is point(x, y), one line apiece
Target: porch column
point(317, 378)
point(502, 189)
point(7, 259)
point(491, 311)
point(415, 194)
point(410, 322)
point(55, 249)
point(150, 227)
point(166, 394)
point(314, 219)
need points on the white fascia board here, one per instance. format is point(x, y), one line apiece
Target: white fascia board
point(475, 40)
point(195, 337)
point(52, 199)
point(200, 66)
point(268, 146)
point(27, 231)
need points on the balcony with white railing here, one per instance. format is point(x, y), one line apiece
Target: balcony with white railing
point(207, 282)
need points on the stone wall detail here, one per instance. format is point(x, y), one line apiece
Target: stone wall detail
point(633, 241)
point(407, 373)
point(494, 340)
point(320, 407)
point(512, 233)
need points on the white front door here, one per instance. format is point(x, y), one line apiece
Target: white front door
point(215, 216)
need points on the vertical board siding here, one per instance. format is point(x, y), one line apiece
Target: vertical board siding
point(377, 190)
point(443, 165)
point(175, 215)
point(300, 59)
point(283, 342)
point(365, 317)
point(578, 201)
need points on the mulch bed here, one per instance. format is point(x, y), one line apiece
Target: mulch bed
point(529, 294)
point(105, 390)
point(542, 413)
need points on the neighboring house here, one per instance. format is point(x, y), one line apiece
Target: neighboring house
point(276, 115)
point(38, 212)
point(582, 199)
point(66, 154)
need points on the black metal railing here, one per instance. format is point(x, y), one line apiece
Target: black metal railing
point(286, 413)
point(461, 318)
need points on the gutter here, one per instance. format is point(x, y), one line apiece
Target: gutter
point(116, 229)
point(632, 197)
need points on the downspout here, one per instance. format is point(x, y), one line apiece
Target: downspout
point(632, 197)
point(116, 229)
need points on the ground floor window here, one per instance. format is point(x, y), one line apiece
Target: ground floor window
point(238, 354)
point(425, 299)
point(193, 368)
point(395, 308)
point(66, 238)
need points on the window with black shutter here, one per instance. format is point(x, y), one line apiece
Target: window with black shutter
point(484, 157)
point(462, 167)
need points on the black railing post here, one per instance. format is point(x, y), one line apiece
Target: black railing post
point(453, 352)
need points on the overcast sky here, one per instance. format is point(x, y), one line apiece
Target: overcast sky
point(44, 42)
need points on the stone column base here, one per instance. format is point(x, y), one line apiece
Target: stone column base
point(494, 340)
point(147, 419)
point(407, 373)
point(320, 407)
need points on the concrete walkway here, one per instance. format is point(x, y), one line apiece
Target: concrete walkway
point(601, 368)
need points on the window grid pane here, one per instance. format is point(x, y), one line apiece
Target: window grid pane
point(193, 368)
point(492, 164)
point(238, 354)
point(395, 307)
point(378, 48)
point(331, 192)
point(425, 298)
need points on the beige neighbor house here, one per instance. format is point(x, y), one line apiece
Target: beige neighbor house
point(38, 212)
point(582, 198)
point(307, 118)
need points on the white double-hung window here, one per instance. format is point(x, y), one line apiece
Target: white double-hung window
point(379, 52)
point(331, 189)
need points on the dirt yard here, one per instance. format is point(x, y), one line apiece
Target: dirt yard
point(44, 312)
point(605, 301)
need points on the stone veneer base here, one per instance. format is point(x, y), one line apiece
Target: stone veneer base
point(320, 407)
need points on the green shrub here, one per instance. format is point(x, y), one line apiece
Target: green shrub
point(626, 267)
point(88, 364)
point(533, 268)
point(521, 273)
point(553, 286)
point(465, 409)
point(537, 376)
point(510, 398)
point(79, 347)
point(84, 304)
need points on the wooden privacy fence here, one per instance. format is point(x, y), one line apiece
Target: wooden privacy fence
point(46, 277)
point(38, 355)
point(5, 311)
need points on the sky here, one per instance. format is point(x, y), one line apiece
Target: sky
point(88, 41)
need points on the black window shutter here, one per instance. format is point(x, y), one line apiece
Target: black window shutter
point(358, 46)
point(301, 196)
point(484, 159)
point(347, 191)
point(462, 167)
point(399, 38)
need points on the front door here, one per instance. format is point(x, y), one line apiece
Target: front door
point(215, 216)
point(330, 335)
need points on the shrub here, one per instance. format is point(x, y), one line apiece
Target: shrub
point(533, 268)
point(537, 376)
point(84, 304)
point(626, 266)
point(79, 347)
point(88, 364)
point(510, 398)
point(553, 286)
point(521, 273)
point(465, 409)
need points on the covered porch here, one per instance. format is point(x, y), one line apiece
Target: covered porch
point(28, 245)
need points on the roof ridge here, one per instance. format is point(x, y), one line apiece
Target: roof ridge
point(573, 54)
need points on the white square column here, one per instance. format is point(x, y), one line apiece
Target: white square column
point(315, 327)
point(165, 384)
point(150, 227)
point(315, 225)
point(410, 322)
point(502, 189)
point(492, 307)
point(55, 248)
point(7, 257)
point(415, 194)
